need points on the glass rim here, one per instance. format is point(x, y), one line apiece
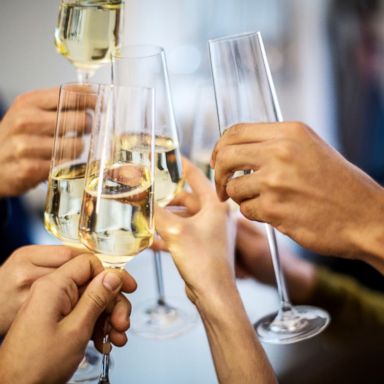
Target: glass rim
point(238, 36)
point(90, 87)
point(154, 50)
point(100, 85)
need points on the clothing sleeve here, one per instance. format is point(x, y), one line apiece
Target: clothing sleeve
point(350, 304)
point(4, 212)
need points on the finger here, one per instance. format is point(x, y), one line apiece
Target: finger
point(37, 122)
point(250, 209)
point(243, 187)
point(246, 133)
point(159, 245)
point(129, 283)
point(163, 219)
point(69, 148)
point(99, 294)
point(119, 339)
point(234, 158)
point(119, 317)
point(42, 98)
point(198, 182)
point(32, 172)
point(74, 123)
point(78, 97)
point(50, 256)
point(187, 200)
point(31, 146)
point(100, 329)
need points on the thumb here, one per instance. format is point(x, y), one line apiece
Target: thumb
point(166, 222)
point(100, 292)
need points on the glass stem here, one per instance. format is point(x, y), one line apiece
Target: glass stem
point(159, 278)
point(285, 304)
point(104, 377)
point(83, 75)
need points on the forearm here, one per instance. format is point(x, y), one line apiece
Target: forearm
point(366, 237)
point(238, 355)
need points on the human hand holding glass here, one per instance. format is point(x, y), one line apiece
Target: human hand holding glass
point(245, 93)
point(116, 220)
point(75, 112)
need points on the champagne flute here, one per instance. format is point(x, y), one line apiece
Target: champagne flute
point(87, 32)
point(204, 131)
point(116, 220)
point(245, 93)
point(145, 65)
point(75, 113)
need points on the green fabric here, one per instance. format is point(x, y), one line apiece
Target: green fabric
point(349, 303)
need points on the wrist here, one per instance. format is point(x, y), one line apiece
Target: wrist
point(212, 303)
point(367, 236)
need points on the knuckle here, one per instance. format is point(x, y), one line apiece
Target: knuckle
point(22, 278)
point(236, 130)
point(21, 99)
point(41, 284)
point(297, 129)
point(20, 147)
point(286, 150)
point(21, 122)
point(272, 180)
point(223, 154)
point(99, 301)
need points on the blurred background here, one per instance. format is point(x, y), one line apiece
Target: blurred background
point(327, 60)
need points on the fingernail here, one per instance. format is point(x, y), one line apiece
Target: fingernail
point(111, 281)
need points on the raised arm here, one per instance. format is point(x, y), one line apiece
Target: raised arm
point(202, 246)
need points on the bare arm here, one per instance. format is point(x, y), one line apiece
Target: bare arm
point(237, 353)
point(202, 246)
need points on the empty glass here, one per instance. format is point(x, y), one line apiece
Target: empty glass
point(245, 93)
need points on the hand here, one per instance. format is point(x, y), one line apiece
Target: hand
point(26, 140)
point(201, 240)
point(47, 340)
point(301, 186)
point(21, 269)
point(253, 259)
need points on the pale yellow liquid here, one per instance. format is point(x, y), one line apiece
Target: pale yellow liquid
point(168, 175)
point(88, 31)
point(116, 220)
point(63, 202)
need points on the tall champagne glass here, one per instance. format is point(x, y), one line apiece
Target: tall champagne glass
point(146, 66)
point(204, 130)
point(87, 32)
point(116, 219)
point(75, 112)
point(245, 93)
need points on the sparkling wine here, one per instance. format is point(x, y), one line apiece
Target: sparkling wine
point(116, 219)
point(168, 175)
point(63, 202)
point(88, 31)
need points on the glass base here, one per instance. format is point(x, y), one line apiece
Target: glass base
point(292, 325)
point(163, 321)
point(89, 368)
